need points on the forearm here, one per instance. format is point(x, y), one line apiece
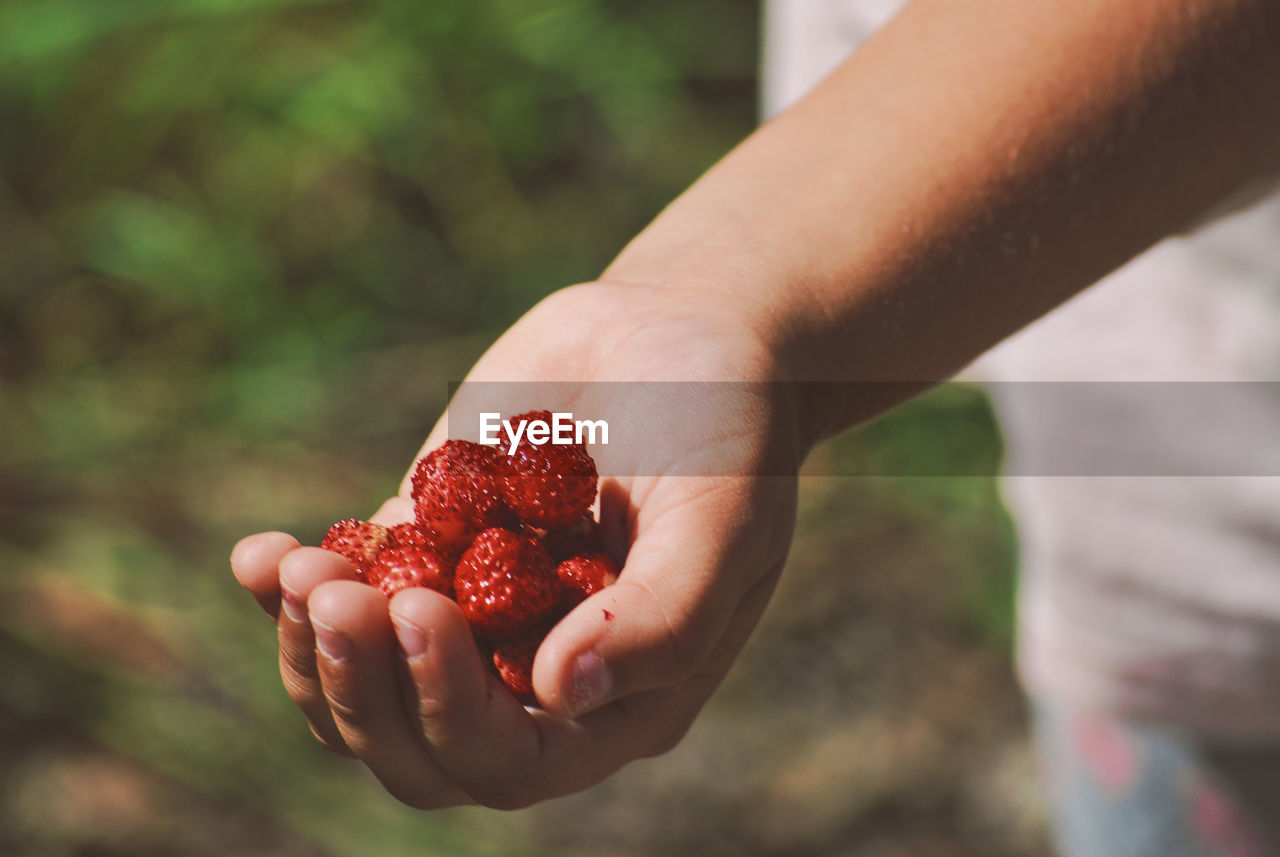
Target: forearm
point(971, 167)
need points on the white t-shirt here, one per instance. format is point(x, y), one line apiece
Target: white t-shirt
point(1155, 596)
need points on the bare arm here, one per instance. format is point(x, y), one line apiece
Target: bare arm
point(971, 167)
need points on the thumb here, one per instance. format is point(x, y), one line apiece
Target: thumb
point(674, 600)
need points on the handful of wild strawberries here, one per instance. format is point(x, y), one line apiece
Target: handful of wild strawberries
point(509, 537)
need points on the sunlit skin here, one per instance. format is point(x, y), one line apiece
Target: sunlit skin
point(972, 167)
point(699, 571)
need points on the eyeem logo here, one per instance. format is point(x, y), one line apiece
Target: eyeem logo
point(563, 430)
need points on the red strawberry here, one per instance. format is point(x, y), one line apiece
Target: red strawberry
point(585, 575)
point(359, 541)
point(404, 567)
point(458, 494)
point(551, 485)
point(513, 660)
point(505, 584)
point(582, 536)
point(409, 535)
point(459, 455)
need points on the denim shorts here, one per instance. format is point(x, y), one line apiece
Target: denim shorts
point(1123, 789)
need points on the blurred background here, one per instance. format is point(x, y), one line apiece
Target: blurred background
point(244, 247)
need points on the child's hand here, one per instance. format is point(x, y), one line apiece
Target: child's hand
point(624, 674)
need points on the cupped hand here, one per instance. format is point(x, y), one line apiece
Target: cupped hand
point(697, 494)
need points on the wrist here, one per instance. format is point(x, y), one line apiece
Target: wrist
point(745, 337)
point(829, 367)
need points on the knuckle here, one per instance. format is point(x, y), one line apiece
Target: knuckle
point(432, 711)
point(445, 710)
point(299, 660)
point(302, 690)
point(440, 717)
point(346, 712)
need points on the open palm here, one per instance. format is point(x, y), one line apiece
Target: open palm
point(698, 495)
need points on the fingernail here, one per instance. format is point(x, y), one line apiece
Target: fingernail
point(294, 607)
point(334, 646)
point(589, 684)
point(412, 639)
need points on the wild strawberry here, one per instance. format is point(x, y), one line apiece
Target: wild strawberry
point(408, 535)
point(548, 486)
point(453, 455)
point(513, 659)
point(457, 494)
point(582, 536)
point(405, 567)
point(505, 584)
point(359, 541)
point(585, 575)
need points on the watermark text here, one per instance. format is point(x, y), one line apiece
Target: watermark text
point(561, 431)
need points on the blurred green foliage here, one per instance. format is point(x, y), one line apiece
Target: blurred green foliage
point(244, 247)
point(218, 189)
